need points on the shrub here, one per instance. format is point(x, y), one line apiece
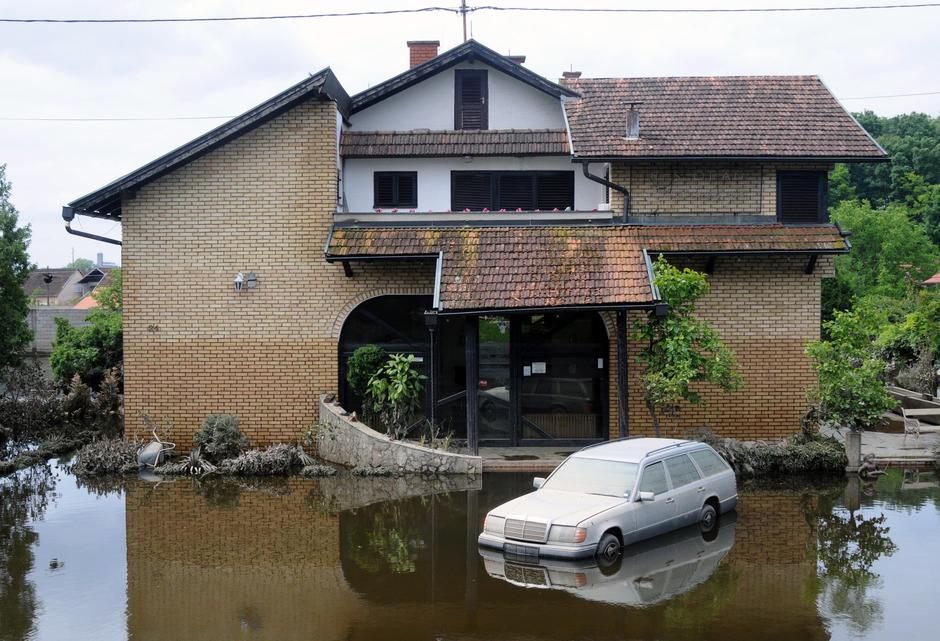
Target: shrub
point(276, 460)
point(362, 366)
point(29, 405)
point(107, 405)
point(317, 471)
point(77, 408)
point(220, 437)
point(395, 394)
point(818, 457)
point(108, 456)
point(89, 351)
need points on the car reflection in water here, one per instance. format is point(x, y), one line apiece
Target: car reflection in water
point(648, 572)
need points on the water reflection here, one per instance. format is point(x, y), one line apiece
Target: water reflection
point(361, 559)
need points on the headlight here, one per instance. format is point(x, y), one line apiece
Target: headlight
point(567, 534)
point(493, 524)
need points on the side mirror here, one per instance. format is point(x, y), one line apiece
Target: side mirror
point(646, 496)
point(537, 482)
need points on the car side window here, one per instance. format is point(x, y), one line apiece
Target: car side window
point(681, 471)
point(709, 462)
point(654, 479)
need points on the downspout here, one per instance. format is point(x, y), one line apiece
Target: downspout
point(623, 190)
point(68, 214)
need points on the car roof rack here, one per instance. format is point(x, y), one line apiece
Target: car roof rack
point(616, 440)
point(667, 447)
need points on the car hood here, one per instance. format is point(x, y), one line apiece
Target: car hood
point(565, 508)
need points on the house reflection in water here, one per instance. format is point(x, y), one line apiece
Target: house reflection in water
point(374, 559)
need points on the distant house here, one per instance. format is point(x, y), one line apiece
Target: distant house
point(497, 225)
point(933, 280)
point(53, 287)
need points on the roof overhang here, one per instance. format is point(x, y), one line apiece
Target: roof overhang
point(748, 159)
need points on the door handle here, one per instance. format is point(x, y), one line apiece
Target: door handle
point(701, 489)
point(670, 500)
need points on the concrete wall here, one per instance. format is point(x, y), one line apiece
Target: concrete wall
point(42, 322)
point(434, 178)
point(430, 105)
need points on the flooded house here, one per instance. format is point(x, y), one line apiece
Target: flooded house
point(497, 224)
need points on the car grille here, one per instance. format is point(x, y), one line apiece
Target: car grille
point(527, 576)
point(525, 530)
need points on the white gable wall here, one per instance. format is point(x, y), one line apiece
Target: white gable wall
point(430, 105)
point(434, 178)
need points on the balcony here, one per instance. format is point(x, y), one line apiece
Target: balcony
point(412, 218)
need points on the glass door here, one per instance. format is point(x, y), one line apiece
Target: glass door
point(495, 385)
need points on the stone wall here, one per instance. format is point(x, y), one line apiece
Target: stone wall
point(349, 442)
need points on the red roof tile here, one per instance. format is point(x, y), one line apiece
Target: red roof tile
point(495, 142)
point(522, 267)
point(734, 116)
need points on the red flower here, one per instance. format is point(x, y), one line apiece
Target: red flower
point(486, 210)
point(378, 211)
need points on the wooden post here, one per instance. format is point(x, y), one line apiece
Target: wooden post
point(472, 355)
point(623, 393)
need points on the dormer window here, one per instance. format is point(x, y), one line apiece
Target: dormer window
point(470, 99)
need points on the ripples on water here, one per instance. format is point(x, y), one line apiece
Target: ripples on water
point(371, 559)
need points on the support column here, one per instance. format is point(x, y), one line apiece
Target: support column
point(472, 356)
point(430, 320)
point(623, 387)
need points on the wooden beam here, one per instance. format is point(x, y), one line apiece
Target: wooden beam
point(710, 265)
point(472, 355)
point(623, 387)
point(347, 269)
point(811, 264)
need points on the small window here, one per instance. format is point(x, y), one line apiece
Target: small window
point(681, 471)
point(801, 197)
point(654, 479)
point(512, 190)
point(396, 189)
point(470, 98)
point(709, 462)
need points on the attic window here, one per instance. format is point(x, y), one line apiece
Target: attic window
point(470, 99)
point(802, 196)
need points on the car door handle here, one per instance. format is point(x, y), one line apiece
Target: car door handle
point(670, 500)
point(701, 489)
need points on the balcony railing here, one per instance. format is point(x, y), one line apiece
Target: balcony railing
point(417, 218)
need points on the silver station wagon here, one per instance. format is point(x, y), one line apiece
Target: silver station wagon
point(609, 495)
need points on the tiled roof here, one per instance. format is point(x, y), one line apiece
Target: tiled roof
point(495, 142)
point(523, 267)
point(60, 276)
point(933, 280)
point(733, 116)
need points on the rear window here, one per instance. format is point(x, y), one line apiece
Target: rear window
point(593, 476)
point(681, 471)
point(709, 462)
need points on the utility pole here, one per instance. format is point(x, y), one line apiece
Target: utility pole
point(463, 14)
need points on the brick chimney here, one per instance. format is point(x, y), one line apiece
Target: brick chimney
point(568, 75)
point(421, 51)
point(519, 60)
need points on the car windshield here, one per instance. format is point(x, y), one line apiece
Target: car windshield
point(593, 476)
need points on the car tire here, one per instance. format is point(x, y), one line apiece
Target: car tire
point(708, 519)
point(608, 550)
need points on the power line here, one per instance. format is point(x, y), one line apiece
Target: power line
point(464, 11)
point(895, 95)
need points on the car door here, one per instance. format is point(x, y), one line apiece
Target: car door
point(689, 492)
point(654, 517)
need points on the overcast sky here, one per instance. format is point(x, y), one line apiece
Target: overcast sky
point(222, 69)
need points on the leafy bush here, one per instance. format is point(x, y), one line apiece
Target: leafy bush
point(90, 351)
point(220, 437)
point(277, 460)
point(29, 404)
point(108, 456)
point(850, 389)
point(818, 457)
point(362, 366)
point(395, 394)
point(375, 471)
point(317, 471)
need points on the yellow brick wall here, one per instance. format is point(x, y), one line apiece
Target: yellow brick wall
point(703, 188)
point(766, 310)
point(263, 202)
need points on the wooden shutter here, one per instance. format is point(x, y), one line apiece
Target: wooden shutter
point(395, 189)
point(470, 99)
point(555, 190)
point(516, 191)
point(384, 189)
point(470, 190)
point(801, 196)
point(407, 190)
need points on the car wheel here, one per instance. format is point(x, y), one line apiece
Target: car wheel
point(708, 519)
point(608, 550)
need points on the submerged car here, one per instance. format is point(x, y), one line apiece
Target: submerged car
point(609, 495)
point(650, 572)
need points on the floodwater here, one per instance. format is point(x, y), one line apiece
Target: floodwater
point(389, 559)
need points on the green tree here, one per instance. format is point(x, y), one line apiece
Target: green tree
point(81, 264)
point(680, 349)
point(395, 394)
point(90, 351)
point(15, 334)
